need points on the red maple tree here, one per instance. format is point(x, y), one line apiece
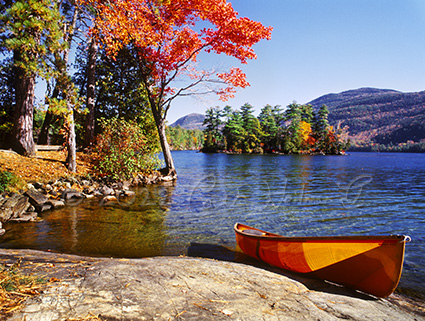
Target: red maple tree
point(169, 35)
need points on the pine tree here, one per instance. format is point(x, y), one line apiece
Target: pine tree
point(269, 127)
point(29, 29)
point(212, 133)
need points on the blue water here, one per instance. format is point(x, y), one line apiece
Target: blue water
point(359, 194)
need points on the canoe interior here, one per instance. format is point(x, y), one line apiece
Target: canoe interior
point(372, 264)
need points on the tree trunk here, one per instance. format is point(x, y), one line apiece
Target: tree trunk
point(169, 169)
point(43, 137)
point(71, 159)
point(24, 111)
point(91, 84)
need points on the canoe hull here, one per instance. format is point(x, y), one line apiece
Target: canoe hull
point(371, 264)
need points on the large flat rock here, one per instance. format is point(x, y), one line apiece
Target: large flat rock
point(186, 288)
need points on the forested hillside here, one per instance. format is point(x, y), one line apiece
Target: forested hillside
point(191, 121)
point(378, 117)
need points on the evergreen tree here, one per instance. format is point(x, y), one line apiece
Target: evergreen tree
point(322, 131)
point(269, 127)
point(213, 137)
point(307, 114)
point(251, 127)
point(234, 132)
point(30, 30)
point(292, 141)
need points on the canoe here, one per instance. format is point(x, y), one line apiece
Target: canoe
point(371, 264)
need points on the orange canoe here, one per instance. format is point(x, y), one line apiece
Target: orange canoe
point(371, 264)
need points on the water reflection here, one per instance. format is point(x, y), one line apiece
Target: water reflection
point(132, 227)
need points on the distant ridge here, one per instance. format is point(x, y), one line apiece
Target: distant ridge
point(381, 116)
point(191, 121)
point(374, 116)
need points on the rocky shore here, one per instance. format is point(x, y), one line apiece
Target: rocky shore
point(39, 197)
point(189, 288)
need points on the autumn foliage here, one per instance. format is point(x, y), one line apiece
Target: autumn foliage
point(168, 37)
point(123, 150)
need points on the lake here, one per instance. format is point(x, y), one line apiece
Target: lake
point(358, 194)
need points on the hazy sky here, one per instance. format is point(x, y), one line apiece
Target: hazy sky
point(324, 46)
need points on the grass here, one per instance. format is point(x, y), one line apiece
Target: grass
point(16, 287)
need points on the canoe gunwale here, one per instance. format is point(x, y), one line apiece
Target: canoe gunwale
point(319, 239)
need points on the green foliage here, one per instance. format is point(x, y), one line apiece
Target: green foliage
point(31, 30)
point(298, 130)
point(184, 139)
point(7, 98)
point(7, 180)
point(123, 149)
point(213, 133)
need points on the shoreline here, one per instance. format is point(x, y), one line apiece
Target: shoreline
point(177, 288)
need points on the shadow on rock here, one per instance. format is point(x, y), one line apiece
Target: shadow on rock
point(222, 253)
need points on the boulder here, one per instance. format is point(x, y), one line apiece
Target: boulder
point(183, 288)
point(56, 203)
point(36, 198)
point(13, 207)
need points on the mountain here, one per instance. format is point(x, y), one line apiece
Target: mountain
point(381, 116)
point(191, 121)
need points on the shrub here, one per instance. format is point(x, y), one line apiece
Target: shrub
point(122, 149)
point(7, 180)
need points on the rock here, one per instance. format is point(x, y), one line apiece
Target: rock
point(88, 196)
point(126, 185)
point(38, 185)
point(182, 288)
point(43, 207)
point(36, 198)
point(26, 217)
point(30, 186)
point(167, 178)
point(96, 193)
point(89, 190)
point(56, 203)
point(13, 207)
point(126, 193)
point(105, 190)
point(71, 193)
point(109, 198)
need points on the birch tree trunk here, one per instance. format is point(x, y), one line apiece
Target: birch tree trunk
point(71, 159)
point(91, 85)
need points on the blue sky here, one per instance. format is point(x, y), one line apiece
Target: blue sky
point(324, 46)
